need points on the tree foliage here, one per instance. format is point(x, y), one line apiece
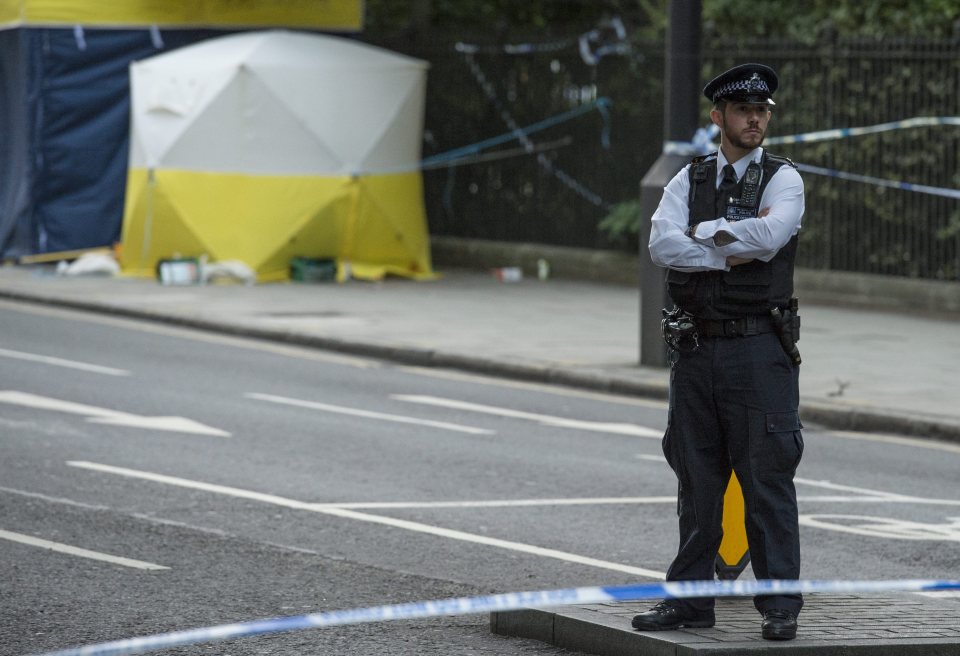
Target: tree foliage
point(804, 22)
point(810, 20)
point(842, 63)
point(500, 17)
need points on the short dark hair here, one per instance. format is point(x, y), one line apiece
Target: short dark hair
point(721, 104)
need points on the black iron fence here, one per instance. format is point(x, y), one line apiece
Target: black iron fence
point(556, 186)
point(861, 226)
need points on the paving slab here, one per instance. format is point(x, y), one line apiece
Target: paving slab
point(834, 625)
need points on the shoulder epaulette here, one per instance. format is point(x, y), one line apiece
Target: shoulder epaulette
point(699, 168)
point(779, 158)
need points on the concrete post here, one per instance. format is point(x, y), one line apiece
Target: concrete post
point(681, 108)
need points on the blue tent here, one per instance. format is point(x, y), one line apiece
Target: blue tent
point(64, 122)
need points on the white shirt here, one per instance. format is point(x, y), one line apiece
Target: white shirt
point(758, 239)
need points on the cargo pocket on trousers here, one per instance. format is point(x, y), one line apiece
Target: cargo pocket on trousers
point(776, 444)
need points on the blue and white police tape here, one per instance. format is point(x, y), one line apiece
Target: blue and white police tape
point(500, 602)
point(608, 38)
point(470, 153)
point(601, 104)
point(702, 142)
point(526, 142)
point(843, 133)
point(881, 182)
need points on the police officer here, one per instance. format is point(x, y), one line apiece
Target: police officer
point(726, 230)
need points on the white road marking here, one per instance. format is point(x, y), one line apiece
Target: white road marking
point(880, 500)
point(513, 503)
point(107, 416)
point(847, 488)
point(195, 334)
point(866, 495)
point(367, 414)
point(158, 521)
point(897, 529)
point(60, 362)
point(559, 390)
point(49, 499)
point(501, 503)
point(884, 527)
point(173, 424)
point(77, 551)
point(546, 420)
point(374, 519)
point(894, 439)
point(605, 501)
point(47, 403)
point(651, 457)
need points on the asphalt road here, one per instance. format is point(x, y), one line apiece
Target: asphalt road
point(269, 480)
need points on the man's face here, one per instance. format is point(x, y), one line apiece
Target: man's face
point(744, 125)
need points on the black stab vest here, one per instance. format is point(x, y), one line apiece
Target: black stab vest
point(745, 290)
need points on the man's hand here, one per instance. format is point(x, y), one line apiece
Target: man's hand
point(733, 260)
point(722, 238)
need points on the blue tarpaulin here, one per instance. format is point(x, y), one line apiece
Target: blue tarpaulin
point(16, 169)
point(64, 130)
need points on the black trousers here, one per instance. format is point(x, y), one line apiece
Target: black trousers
point(733, 405)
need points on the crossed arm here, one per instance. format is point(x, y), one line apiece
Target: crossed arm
point(719, 244)
point(721, 238)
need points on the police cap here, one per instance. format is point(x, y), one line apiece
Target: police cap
point(752, 83)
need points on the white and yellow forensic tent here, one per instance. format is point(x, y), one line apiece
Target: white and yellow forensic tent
point(64, 93)
point(266, 146)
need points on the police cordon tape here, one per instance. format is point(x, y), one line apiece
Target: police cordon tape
point(601, 104)
point(500, 602)
point(843, 133)
point(544, 161)
point(608, 38)
point(702, 143)
point(881, 182)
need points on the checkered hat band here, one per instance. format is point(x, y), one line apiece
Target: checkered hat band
point(754, 85)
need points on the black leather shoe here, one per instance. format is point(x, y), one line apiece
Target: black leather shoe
point(669, 615)
point(778, 625)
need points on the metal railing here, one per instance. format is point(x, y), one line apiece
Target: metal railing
point(849, 225)
point(863, 226)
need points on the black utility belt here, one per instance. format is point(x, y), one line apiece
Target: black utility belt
point(742, 327)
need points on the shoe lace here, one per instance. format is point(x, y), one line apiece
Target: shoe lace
point(663, 607)
point(778, 614)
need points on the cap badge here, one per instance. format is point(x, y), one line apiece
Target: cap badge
point(755, 83)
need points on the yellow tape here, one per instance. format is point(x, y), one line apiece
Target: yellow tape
point(331, 15)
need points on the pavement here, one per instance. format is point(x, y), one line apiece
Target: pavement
point(830, 625)
point(867, 370)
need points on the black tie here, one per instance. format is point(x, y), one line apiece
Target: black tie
point(727, 186)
